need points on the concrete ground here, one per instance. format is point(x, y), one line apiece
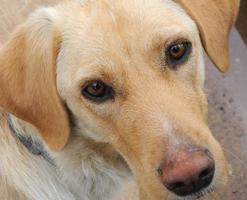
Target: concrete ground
point(227, 95)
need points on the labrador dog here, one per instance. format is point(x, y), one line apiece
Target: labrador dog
point(104, 99)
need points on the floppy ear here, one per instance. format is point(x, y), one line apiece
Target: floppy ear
point(28, 78)
point(214, 19)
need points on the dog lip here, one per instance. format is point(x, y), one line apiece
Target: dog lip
point(199, 194)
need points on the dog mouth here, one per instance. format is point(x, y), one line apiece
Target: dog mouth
point(199, 194)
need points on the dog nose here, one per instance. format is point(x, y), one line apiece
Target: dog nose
point(188, 173)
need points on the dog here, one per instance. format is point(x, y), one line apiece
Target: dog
point(104, 99)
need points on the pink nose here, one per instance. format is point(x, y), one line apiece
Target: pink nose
point(188, 172)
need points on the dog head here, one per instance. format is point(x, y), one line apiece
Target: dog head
point(131, 74)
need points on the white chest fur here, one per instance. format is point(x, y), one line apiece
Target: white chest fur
point(82, 171)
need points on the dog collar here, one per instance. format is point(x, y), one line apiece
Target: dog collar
point(34, 147)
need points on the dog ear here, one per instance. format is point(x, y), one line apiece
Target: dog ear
point(214, 19)
point(28, 78)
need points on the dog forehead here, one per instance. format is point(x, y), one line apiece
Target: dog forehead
point(111, 19)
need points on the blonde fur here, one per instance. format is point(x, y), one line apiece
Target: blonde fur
point(100, 151)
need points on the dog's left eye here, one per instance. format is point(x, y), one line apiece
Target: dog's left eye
point(97, 91)
point(177, 53)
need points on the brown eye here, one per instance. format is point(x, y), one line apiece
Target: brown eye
point(97, 91)
point(177, 53)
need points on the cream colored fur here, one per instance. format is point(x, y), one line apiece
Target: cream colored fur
point(80, 172)
point(81, 168)
point(115, 148)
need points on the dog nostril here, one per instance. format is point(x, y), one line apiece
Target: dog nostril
point(205, 173)
point(191, 184)
point(175, 186)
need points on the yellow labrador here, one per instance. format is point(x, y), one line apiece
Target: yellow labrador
point(96, 94)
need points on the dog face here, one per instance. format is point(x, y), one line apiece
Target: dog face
point(131, 74)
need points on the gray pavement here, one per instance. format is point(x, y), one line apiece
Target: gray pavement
point(227, 95)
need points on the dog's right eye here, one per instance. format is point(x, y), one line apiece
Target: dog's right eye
point(178, 53)
point(97, 91)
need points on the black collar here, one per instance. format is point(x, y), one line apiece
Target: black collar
point(34, 147)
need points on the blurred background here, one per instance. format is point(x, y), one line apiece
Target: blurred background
point(227, 93)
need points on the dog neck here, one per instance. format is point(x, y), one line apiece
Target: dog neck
point(88, 168)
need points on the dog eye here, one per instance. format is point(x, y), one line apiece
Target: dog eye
point(97, 91)
point(177, 53)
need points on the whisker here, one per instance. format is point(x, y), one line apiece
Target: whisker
point(243, 164)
